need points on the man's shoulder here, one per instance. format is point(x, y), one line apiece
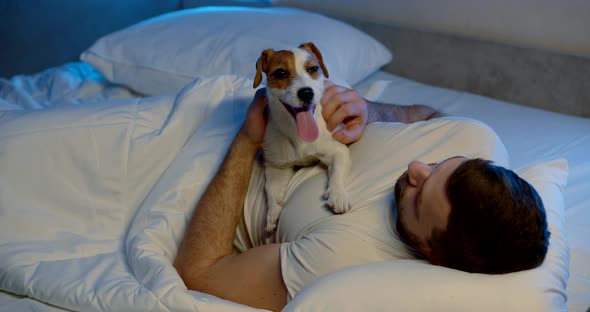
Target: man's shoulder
point(446, 121)
point(440, 138)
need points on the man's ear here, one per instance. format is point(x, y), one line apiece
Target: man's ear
point(261, 66)
point(432, 258)
point(313, 49)
point(429, 254)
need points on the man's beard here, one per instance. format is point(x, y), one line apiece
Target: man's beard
point(400, 226)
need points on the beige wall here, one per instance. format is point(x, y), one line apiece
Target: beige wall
point(553, 24)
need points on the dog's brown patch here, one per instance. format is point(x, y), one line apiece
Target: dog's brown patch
point(279, 67)
point(312, 66)
point(316, 56)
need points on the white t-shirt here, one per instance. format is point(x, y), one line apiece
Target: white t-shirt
point(315, 241)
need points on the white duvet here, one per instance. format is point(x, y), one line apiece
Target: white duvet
point(94, 198)
point(70, 84)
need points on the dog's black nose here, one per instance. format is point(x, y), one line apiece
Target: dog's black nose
point(305, 94)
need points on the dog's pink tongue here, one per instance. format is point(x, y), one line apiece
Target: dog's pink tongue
point(307, 128)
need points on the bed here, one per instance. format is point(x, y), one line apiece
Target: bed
point(102, 160)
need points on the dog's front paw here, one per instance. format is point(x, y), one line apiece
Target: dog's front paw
point(272, 218)
point(338, 201)
point(270, 226)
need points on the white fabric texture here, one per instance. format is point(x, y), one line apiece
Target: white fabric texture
point(164, 53)
point(407, 285)
point(70, 84)
point(94, 198)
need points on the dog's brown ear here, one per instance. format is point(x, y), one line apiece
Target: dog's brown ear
point(261, 66)
point(313, 49)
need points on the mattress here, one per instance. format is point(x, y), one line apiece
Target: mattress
point(530, 135)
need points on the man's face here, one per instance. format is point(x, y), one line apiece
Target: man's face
point(422, 202)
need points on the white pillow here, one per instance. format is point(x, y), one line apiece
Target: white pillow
point(162, 54)
point(412, 285)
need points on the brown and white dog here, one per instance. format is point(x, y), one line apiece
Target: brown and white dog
point(296, 133)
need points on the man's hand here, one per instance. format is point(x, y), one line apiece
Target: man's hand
point(255, 124)
point(345, 106)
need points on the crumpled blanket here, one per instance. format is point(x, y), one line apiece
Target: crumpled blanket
point(94, 198)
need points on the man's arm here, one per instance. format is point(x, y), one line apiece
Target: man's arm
point(399, 113)
point(345, 106)
point(205, 259)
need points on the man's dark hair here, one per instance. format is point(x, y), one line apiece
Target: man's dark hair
point(497, 222)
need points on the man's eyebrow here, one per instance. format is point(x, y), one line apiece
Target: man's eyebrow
point(444, 161)
point(454, 157)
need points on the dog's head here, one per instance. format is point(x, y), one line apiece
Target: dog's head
point(295, 78)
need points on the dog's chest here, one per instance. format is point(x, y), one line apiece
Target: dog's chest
point(280, 152)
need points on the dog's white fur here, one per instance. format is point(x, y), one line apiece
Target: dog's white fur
point(284, 149)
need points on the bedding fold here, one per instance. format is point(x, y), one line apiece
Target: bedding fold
point(94, 198)
point(70, 84)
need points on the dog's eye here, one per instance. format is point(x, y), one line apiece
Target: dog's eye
point(280, 73)
point(313, 69)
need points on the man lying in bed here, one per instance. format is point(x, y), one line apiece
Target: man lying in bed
point(466, 214)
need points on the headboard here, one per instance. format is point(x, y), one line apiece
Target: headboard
point(529, 76)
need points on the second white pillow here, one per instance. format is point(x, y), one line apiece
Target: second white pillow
point(162, 54)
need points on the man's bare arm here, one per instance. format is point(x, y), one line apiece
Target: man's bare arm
point(205, 259)
point(399, 113)
point(209, 236)
point(345, 106)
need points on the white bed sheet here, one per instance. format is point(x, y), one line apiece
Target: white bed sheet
point(530, 135)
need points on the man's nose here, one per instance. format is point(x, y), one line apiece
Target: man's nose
point(418, 172)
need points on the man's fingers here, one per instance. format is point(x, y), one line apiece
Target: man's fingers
point(257, 114)
point(256, 118)
point(330, 92)
point(345, 111)
point(259, 102)
point(348, 134)
point(341, 105)
point(335, 101)
point(260, 92)
point(328, 83)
